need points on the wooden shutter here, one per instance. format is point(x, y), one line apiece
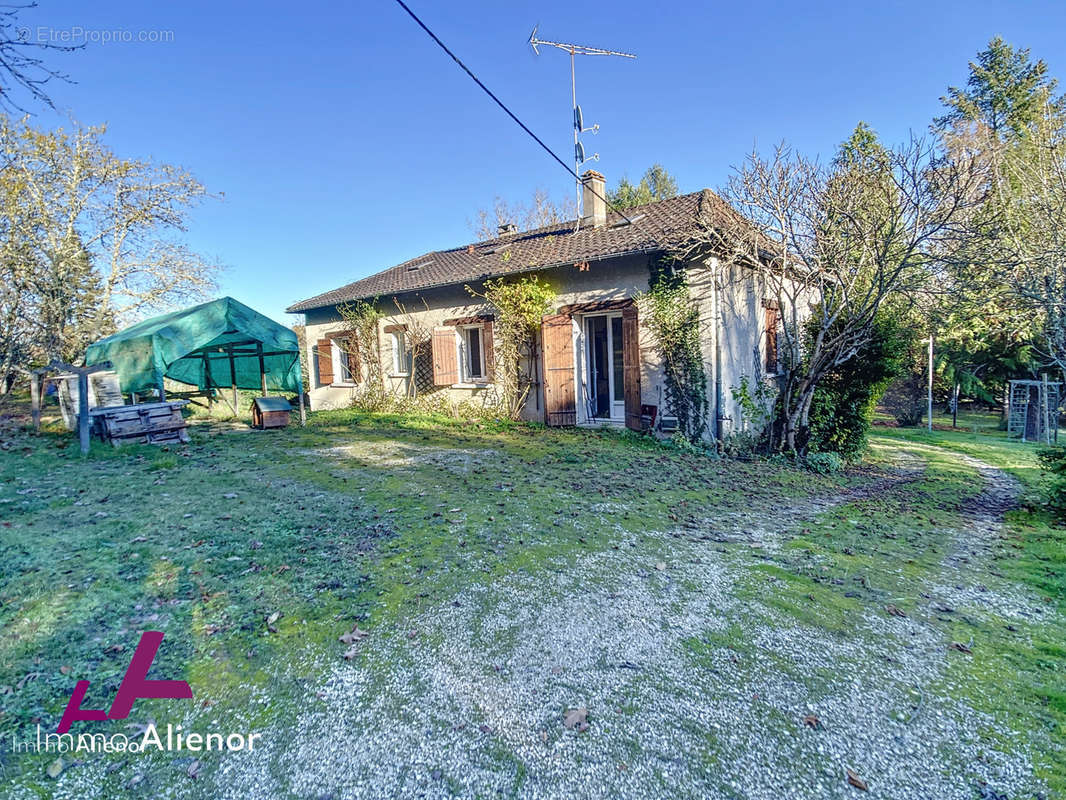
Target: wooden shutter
point(325, 361)
point(560, 399)
point(771, 339)
point(445, 361)
point(489, 350)
point(631, 366)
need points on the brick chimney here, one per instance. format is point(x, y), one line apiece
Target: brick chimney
point(593, 204)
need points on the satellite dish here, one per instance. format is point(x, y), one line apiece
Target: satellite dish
point(579, 123)
point(579, 153)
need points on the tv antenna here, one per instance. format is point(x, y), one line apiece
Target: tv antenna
point(579, 122)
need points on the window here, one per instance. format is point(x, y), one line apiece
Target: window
point(471, 354)
point(345, 362)
point(401, 353)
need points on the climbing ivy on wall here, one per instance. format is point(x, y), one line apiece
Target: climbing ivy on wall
point(519, 305)
point(672, 318)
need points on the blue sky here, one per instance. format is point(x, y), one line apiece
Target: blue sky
point(344, 141)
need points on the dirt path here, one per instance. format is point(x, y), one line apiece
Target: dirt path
point(690, 691)
point(694, 686)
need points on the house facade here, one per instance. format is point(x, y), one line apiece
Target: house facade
point(597, 361)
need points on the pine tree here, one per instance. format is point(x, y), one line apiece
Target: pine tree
point(1006, 92)
point(656, 184)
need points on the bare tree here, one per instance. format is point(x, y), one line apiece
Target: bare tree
point(21, 61)
point(89, 240)
point(833, 245)
point(539, 212)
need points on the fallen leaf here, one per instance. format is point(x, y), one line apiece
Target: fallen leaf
point(857, 782)
point(660, 566)
point(194, 769)
point(230, 495)
point(55, 768)
point(65, 670)
point(962, 648)
point(894, 611)
point(137, 539)
point(351, 652)
point(576, 718)
point(271, 620)
point(812, 721)
point(353, 636)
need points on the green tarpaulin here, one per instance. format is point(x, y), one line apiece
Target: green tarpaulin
point(200, 346)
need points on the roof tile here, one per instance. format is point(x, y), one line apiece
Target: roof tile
point(655, 227)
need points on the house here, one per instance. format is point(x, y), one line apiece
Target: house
point(598, 362)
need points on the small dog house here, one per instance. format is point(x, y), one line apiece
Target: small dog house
point(270, 412)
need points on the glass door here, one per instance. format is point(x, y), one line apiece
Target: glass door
point(605, 397)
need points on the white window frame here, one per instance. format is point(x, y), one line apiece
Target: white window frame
point(400, 365)
point(463, 343)
point(339, 370)
point(617, 407)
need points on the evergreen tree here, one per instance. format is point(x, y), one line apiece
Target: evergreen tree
point(656, 184)
point(1006, 92)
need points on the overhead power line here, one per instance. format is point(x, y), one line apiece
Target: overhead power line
point(508, 111)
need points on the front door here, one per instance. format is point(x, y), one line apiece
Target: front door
point(605, 397)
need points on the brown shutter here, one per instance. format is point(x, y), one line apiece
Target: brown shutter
point(490, 350)
point(325, 361)
point(560, 402)
point(771, 340)
point(631, 366)
point(445, 361)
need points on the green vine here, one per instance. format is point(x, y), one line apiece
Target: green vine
point(519, 304)
point(673, 319)
point(361, 319)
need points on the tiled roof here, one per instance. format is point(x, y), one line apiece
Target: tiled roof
point(654, 227)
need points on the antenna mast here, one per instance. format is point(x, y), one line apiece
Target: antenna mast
point(579, 123)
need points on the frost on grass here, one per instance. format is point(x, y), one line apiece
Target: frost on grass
point(690, 693)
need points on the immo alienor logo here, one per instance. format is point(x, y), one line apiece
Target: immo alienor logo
point(135, 685)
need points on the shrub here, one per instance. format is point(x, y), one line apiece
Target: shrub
point(824, 463)
point(843, 405)
point(906, 400)
point(1053, 462)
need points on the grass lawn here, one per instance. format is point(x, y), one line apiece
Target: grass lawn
point(701, 610)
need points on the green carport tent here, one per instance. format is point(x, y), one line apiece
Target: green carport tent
point(219, 344)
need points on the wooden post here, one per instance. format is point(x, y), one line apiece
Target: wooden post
point(233, 379)
point(1046, 407)
point(83, 411)
point(35, 400)
point(207, 383)
point(262, 367)
point(303, 412)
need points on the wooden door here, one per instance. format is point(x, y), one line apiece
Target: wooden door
point(631, 366)
point(560, 397)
